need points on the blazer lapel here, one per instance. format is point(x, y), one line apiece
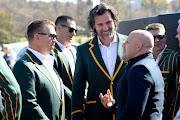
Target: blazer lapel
point(119, 60)
point(62, 96)
point(96, 54)
point(164, 57)
point(73, 51)
point(64, 60)
point(39, 65)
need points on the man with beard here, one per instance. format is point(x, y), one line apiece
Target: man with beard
point(99, 63)
point(140, 91)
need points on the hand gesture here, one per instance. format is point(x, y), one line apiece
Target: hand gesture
point(107, 99)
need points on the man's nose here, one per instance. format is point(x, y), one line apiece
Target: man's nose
point(105, 27)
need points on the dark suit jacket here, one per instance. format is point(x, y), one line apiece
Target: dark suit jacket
point(90, 68)
point(39, 92)
point(63, 68)
point(169, 65)
point(140, 92)
point(11, 93)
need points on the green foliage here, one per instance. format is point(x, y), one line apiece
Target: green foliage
point(155, 6)
point(15, 15)
point(118, 5)
point(5, 21)
point(12, 40)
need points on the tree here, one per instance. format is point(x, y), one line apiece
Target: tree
point(154, 7)
point(175, 5)
point(6, 26)
point(118, 5)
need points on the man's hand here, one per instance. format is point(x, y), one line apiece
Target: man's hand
point(107, 99)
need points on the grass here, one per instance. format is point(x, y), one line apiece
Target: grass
point(80, 39)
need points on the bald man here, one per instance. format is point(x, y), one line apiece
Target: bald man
point(140, 91)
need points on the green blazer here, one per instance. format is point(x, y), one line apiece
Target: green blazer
point(11, 93)
point(90, 67)
point(62, 65)
point(63, 68)
point(40, 97)
point(169, 66)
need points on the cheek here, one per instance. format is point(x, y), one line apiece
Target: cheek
point(98, 29)
point(111, 26)
point(178, 36)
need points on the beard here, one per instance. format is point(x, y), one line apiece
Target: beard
point(106, 36)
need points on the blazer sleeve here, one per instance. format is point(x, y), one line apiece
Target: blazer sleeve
point(178, 84)
point(11, 93)
point(26, 78)
point(78, 89)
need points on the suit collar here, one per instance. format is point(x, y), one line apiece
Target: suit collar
point(48, 59)
point(61, 55)
point(164, 56)
point(39, 65)
point(96, 54)
point(64, 60)
point(33, 58)
point(57, 47)
point(72, 49)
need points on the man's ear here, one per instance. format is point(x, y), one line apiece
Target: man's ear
point(36, 37)
point(58, 28)
point(139, 46)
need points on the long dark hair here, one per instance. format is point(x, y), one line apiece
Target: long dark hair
point(100, 10)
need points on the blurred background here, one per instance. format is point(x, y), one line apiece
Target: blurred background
point(15, 15)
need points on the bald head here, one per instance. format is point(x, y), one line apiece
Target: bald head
point(145, 38)
point(138, 42)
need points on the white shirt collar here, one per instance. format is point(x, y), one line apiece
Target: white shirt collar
point(115, 40)
point(49, 58)
point(160, 55)
point(62, 46)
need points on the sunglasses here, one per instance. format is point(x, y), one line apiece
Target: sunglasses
point(70, 28)
point(53, 36)
point(159, 37)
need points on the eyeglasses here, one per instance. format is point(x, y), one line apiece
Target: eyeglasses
point(53, 36)
point(159, 37)
point(70, 28)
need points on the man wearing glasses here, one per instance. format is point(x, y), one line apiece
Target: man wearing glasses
point(42, 89)
point(65, 56)
point(168, 62)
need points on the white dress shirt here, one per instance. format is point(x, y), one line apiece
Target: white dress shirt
point(177, 117)
point(1, 104)
point(109, 54)
point(160, 55)
point(48, 62)
point(67, 52)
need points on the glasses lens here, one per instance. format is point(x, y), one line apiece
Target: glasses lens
point(50, 35)
point(53, 36)
point(159, 37)
point(72, 30)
